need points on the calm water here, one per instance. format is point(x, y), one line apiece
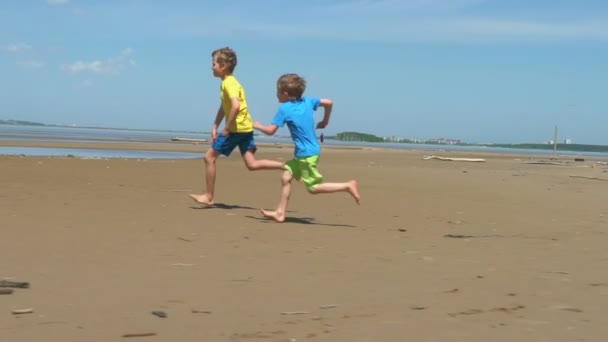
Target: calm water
point(75, 134)
point(95, 153)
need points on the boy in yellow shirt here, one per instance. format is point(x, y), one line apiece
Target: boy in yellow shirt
point(238, 128)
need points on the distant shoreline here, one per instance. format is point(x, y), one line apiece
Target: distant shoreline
point(529, 146)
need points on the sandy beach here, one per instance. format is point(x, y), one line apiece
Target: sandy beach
point(503, 250)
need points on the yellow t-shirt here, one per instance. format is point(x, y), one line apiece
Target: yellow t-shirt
point(231, 88)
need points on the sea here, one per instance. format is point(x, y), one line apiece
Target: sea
point(122, 136)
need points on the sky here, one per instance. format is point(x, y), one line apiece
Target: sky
point(484, 71)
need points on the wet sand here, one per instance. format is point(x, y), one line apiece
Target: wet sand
point(502, 250)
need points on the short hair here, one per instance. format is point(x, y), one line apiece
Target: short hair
point(292, 84)
point(226, 56)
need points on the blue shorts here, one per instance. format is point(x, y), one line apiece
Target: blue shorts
point(225, 144)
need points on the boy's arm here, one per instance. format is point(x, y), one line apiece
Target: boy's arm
point(327, 105)
point(268, 130)
point(236, 106)
point(218, 119)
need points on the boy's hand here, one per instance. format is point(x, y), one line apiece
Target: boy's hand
point(257, 125)
point(213, 134)
point(322, 124)
point(225, 132)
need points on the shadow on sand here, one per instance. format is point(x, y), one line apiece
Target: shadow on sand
point(301, 220)
point(223, 206)
point(289, 219)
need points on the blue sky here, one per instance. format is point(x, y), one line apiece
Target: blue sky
point(477, 70)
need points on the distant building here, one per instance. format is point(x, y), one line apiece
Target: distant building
point(445, 141)
point(567, 141)
point(422, 141)
point(401, 139)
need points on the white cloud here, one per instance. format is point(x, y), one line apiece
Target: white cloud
point(18, 47)
point(31, 64)
point(57, 2)
point(86, 84)
point(114, 65)
point(23, 55)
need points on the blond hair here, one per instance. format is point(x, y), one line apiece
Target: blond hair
point(226, 56)
point(292, 84)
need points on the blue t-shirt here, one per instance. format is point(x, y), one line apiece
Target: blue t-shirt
point(300, 119)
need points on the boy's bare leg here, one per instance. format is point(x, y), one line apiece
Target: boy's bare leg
point(351, 187)
point(207, 197)
point(262, 164)
point(279, 214)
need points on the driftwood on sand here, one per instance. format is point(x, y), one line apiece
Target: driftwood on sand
point(542, 162)
point(455, 159)
point(190, 140)
point(16, 284)
point(22, 311)
point(139, 334)
point(593, 178)
point(295, 313)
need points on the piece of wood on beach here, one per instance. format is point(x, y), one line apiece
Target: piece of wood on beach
point(6, 291)
point(22, 311)
point(455, 159)
point(15, 284)
point(196, 311)
point(295, 313)
point(183, 265)
point(592, 178)
point(159, 313)
point(139, 334)
point(328, 306)
point(462, 236)
point(190, 140)
point(542, 162)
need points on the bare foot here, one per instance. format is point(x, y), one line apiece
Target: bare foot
point(353, 188)
point(272, 214)
point(202, 199)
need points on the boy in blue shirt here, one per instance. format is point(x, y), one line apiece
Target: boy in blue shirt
point(298, 113)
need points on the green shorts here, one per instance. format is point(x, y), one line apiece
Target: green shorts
point(305, 169)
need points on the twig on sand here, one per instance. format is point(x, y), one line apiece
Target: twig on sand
point(460, 236)
point(159, 313)
point(139, 334)
point(6, 291)
point(295, 313)
point(542, 162)
point(16, 284)
point(455, 159)
point(201, 311)
point(593, 178)
point(328, 306)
